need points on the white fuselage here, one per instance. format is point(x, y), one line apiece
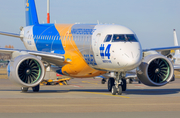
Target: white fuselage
point(106, 55)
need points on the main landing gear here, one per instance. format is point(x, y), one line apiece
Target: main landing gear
point(103, 81)
point(117, 85)
point(35, 89)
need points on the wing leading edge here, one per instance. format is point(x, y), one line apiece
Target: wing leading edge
point(162, 49)
point(56, 59)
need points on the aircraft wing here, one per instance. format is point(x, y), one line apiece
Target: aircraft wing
point(53, 58)
point(162, 49)
point(132, 73)
point(10, 34)
point(177, 67)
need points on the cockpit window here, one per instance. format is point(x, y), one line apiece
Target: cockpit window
point(121, 38)
point(118, 38)
point(131, 37)
point(124, 37)
point(108, 38)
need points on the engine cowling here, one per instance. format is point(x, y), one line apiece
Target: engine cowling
point(26, 70)
point(155, 70)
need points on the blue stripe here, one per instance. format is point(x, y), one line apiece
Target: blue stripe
point(47, 38)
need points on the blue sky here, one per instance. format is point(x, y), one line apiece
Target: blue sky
point(152, 20)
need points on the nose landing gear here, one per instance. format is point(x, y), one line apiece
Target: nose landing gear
point(117, 85)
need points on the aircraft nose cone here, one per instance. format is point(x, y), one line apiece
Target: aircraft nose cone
point(134, 59)
point(126, 56)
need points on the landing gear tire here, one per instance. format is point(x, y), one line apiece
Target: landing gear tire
point(173, 78)
point(124, 85)
point(36, 88)
point(114, 90)
point(24, 89)
point(110, 84)
point(119, 90)
point(129, 81)
point(103, 81)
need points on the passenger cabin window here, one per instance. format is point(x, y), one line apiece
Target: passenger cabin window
point(108, 38)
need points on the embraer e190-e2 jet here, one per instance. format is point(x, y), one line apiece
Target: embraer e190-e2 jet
point(82, 51)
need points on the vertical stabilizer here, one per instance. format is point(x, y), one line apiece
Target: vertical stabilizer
point(31, 14)
point(175, 42)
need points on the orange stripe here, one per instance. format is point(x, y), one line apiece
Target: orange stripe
point(77, 67)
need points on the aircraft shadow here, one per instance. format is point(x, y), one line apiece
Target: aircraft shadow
point(128, 92)
point(72, 90)
point(151, 91)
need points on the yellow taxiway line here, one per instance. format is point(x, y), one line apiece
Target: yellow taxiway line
point(108, 94)
point(89, 82)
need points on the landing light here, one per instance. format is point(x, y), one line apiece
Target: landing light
point(68, 60)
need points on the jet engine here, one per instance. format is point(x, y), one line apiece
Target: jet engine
point(155, 70)
point(26, 70)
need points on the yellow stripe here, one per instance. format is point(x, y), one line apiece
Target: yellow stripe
point(108, 94)
point(105, 94)
point(78, 66)
point(89, 82)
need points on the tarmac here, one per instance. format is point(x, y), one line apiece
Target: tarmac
point(89, 98)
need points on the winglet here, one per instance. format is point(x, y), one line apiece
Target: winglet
point(31, 14)
point(175, 41)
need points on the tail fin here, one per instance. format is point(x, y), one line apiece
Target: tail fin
point(31, 14)
point(175, 42)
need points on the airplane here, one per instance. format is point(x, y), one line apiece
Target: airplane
point(82, 51)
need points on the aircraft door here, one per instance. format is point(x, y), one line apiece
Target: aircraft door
point(97, 45)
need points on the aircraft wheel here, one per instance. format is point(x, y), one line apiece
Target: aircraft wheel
point(114, 90)
point(124, 85)
point(173, 78)
point(24, 89)
point(129, 81)
point(110, 84)
point(120, 90)
point(36, 88)
point(103, 81)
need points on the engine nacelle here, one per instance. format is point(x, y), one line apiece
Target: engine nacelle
point(26, 70)
point(155, 70)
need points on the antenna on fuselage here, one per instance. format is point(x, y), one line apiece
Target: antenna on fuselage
point(48, 11)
